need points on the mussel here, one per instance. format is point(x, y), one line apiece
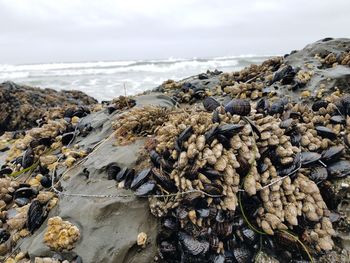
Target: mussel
point(319, 104)
point(164, 180)
point(145, 189)
point(263, 105)
point(308, 158)
point(193, 246)
point(4, 235)
point(333, 153)
point(318, 174)
point(28, 158)
point(210, 104)
point(337, 119)
point(184, 135)
point(228, 130)
point(112, 170)
point(67, 138)
point(243, 254)
point(238, 106)
point(36, 216)
point(140, 178)
point(339, 169)
point(326, 132)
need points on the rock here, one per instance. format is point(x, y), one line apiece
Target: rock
point(22, 105)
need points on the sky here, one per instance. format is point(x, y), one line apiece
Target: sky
point(37, 31)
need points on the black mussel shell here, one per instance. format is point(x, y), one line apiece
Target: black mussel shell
point(253, 125)
point(69, 113)
point(145, 189)
point(5, 171)
point(210, 104)
point(67, 138)
point(210, 173)
point(244, 166)
point(243, 254)
point(155, 158)
point(129, 177)
point(319, 104)
point(36, 216)
point(288, 124)
point(263, 105)
point(26, 192)
point(171, 224)
point(343, 105)
point(21, 201)
point(111, 109)
point(332, 154)
point(249, 236)
point(277, 107)
point(337, 119)
point(295, 138)
point(167, 250)
point(220, 216)
point(216, 117)
point(198, 92)
point(140, 178)
point(318, 174)
point(213, 189)
point(217, 258)
point(184, 135)
point(238, 107)
point(77, 259)
point(122, 174)
point(224, 141)
point(4, 235)
point(193, 246)
point(308, 158)
point(211, 135)
point(326, 132)
point(164, 180)
point(192, 199)
point(112, 170)
point(285, 75)
point(224, 229)
point(203, 212)
point(228, 130)
point(339, 169)
point(28, 158)
point(46, 182)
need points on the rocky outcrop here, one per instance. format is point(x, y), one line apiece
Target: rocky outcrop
point(21, 105)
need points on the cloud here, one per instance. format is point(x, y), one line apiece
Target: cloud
point(60, 30)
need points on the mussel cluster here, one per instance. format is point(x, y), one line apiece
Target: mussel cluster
point(250, 82)
point(26, 200)
point(185, 92)
point(224, 174)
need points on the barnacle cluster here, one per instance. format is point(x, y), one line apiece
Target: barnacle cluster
point(266, 163)
point(61, 235)
point(138, 122)
point(123, 102)
point(250, 82)
point(332, 59)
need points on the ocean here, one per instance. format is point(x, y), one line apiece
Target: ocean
point(105, 80)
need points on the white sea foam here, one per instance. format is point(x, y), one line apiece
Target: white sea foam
point(106, 79)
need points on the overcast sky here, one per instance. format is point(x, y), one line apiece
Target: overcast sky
point(83, 30)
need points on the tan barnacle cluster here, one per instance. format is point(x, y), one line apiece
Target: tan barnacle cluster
point(139, 122)
point(273, 135)
point(304, 76)
point(345, 59)
point(123, 102)
point(332, 60)
point(18, 221)
point(7, 188)
point(170, 85)
point(252, 73)
point(72, 154)
point(286, 200)
point(61, 235)
point(245, 90)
